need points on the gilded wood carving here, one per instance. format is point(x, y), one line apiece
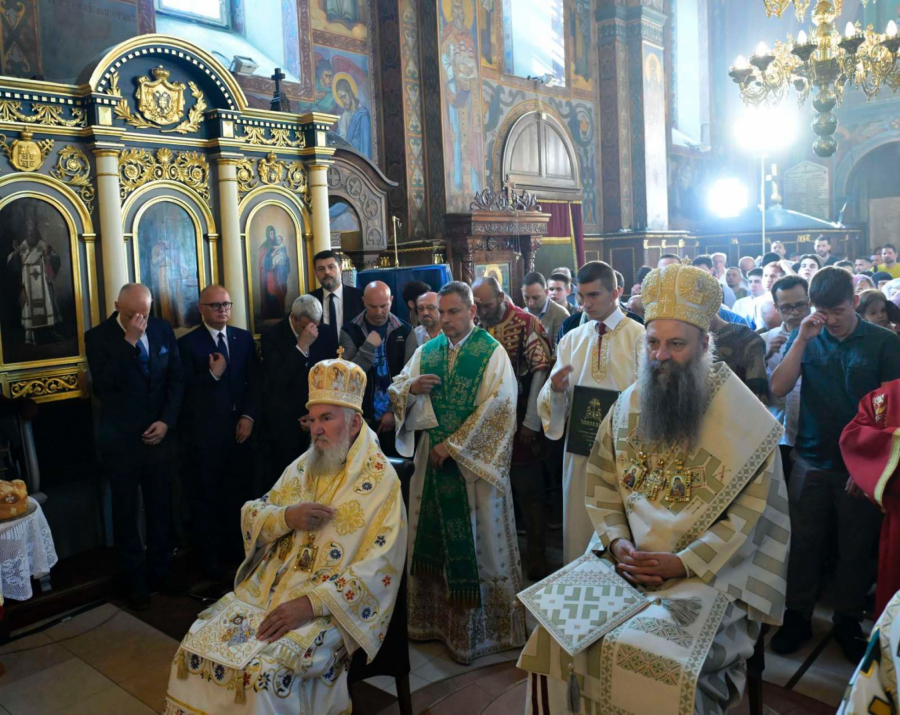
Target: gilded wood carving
point(138, 167)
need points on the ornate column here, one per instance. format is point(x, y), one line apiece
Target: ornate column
point(318, 196)
point(316, 155)
point(233, 275)
point(633, 115)
point(112, 241)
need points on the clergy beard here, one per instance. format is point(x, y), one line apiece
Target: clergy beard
point(673, 399)
point(328, 459)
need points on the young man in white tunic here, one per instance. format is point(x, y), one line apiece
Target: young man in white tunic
point(602, 353)
point(686, 493)
point(325, 548)
point(459, 389)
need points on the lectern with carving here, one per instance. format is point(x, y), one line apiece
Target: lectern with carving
point(499, 237)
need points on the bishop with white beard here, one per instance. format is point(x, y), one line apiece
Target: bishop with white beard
point(325, 548)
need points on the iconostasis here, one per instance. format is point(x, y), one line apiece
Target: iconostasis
point(152, 168)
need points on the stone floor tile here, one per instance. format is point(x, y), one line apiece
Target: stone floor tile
point(53, 689)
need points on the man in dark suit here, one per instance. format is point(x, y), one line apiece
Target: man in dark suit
point(376, 341)
point(340, 303)
point(289, 350)
point(221, 405)
point(136, 373)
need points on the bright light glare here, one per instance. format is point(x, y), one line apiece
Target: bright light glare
point(727, 198)
point(741, 63)
point(891, 30)
point(801, 37)
point(761, 49)
point(766, 130)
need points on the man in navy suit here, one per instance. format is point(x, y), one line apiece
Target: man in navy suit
point(136, 373)
point(340, 303)
point(221, 405)
point(289, 349)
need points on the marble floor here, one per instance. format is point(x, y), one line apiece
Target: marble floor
point(107, 661)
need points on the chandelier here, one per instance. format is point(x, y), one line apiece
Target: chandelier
point(824, 63)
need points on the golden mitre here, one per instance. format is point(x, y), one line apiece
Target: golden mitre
point(337, 382)
point(684, 293)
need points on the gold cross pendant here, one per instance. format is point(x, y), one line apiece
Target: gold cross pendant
point(656, 480)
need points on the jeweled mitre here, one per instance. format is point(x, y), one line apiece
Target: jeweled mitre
point(685, 293)
point(337, 382)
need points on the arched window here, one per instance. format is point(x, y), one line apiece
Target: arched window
point(689, 26)
point(539, 154)
point(534, 40)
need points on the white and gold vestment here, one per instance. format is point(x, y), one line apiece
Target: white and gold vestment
point(350, 568)
point(722, 509)
point(610, 364)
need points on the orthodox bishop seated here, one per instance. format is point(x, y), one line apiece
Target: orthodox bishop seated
point(688, 503)
point(324, 552)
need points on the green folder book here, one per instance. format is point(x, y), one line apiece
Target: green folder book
point(589, 408)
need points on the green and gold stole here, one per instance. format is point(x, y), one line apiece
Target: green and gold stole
point(444, 537)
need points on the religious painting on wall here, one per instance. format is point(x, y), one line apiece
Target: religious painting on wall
point(345, 223)
point(345, 18)
point(461, 103)
point(500, 271)
point(273, 265)
point(342, 88)
point(487, 32)
point(580, 29)
point(166, 253)
point(38, 310)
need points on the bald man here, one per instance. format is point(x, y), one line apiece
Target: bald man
point(378, 341)
point(222, 405)
point(136, 374)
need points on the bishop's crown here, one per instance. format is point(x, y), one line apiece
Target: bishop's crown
point(337, 382)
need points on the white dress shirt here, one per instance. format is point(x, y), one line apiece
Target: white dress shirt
point(215, 332)
point(338, 306)
point(785, 409)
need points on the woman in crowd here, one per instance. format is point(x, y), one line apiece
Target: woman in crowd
point(875, 308)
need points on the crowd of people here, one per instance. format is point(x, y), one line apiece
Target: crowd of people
point(718, 477)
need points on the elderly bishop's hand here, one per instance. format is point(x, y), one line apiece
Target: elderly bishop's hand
point(285, 618)
point(307, 517)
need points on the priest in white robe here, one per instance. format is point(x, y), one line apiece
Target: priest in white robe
point(686, 493)
point(601, 353)
point(464, 572)
point(325, 548)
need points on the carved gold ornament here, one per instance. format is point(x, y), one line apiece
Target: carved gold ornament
point(138, 167)
point(73, 168)
point(274, 172)
point(281, 137)
point(160, 102)
point(47, 114)
point(246, 181)
point(45, 388)
point(271, 169)
point(25, 154)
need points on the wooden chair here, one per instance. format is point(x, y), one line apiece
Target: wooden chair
point(756, 664)
point(393, 656)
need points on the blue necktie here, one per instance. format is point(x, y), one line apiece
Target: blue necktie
point(145, 358)
point(222, 347)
